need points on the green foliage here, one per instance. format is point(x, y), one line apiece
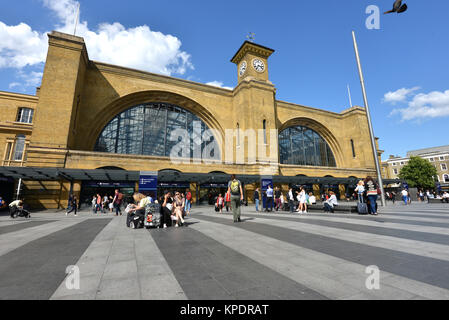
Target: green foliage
point(419, 173)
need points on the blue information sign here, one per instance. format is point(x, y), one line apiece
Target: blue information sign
point(264, 183)
point(148, 181)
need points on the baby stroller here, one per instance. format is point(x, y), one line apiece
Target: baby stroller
point(19, 212)
point(152, 216)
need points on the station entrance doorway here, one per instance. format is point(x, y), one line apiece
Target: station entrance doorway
point(92, 188)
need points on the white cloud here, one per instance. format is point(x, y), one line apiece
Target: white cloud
point(399, 95)
point(218, 84)
point(426, 105)
point(20, 46)
point(137, 47)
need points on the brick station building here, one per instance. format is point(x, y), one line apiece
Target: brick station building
point(93, 126)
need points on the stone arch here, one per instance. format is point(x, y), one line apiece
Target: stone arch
point(322, 130)
point(123, 103)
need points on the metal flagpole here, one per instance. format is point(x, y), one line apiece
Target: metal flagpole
point(77, 18)
point(19, 185)
point(349, 94)
point(373, 142)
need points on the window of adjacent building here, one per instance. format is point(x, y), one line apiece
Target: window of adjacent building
point(19, 148)
point(443, 167)
point(441, 158)
point(431, 159)
point(352, 147)
point(25, 115)
point(446, 177)
point(395, 171)
point(402, 163)
point(8, 150)
point(394, 164)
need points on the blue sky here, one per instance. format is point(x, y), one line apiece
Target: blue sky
point(405, 62)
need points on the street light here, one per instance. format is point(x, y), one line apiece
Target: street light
point(371, 132)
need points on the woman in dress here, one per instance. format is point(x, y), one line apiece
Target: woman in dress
point(178, 204)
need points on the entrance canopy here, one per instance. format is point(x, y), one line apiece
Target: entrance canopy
point(114, 175)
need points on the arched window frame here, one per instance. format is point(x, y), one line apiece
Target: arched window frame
point(145, 129)
point(300, 145)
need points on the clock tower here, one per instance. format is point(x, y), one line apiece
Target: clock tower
point(255, 109)
point(252, 62)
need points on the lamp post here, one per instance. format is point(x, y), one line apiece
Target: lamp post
point(370, 126)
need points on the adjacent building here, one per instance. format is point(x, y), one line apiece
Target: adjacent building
point(437, 156)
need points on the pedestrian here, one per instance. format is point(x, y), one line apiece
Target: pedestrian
point(69, 202)
point(74, 205)
point(111, 204)
point(235, 189)
point(188, 201)
point(141, 201)
point(371, 192)
point(291, 200)
point(330, 203)
point(277, 198)
point(269, 194)
point(256, 199)
point(15, 207)
point(360, 189)
point(118, 198)
point(404, 196)
point(228, 201)
point(220, 203)
point(105, 203)
point(282, 201)
point(94, 203)
point(98, 206)
point(167, 206)
point(302, 201)
point(312, 199)
point(2, 203)
point(178, 208)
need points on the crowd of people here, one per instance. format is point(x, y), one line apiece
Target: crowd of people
point(175, 206)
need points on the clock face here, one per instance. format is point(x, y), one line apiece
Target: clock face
point(242, 68)
point(258, 65)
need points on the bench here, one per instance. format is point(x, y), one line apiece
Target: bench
point(339, 208)
point(433, 200)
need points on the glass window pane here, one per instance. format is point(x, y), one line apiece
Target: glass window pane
point(303, 146)
point(146, 129)
point(18, 151)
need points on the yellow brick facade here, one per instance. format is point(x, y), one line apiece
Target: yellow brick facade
point(78, 97)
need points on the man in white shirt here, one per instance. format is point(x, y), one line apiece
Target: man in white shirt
point(404, 194)
point(291, 200)
point(330, 203)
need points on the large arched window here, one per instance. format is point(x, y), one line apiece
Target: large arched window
point(146, 130)
point(302, 146)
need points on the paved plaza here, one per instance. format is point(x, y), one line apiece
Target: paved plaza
point(277, 256)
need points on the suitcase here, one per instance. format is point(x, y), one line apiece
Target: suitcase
point(362, 208)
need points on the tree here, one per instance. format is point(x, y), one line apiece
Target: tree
point(419, 173)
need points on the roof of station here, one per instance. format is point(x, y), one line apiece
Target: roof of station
point(115, 175)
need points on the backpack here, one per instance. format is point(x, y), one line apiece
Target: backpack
point(235, 187)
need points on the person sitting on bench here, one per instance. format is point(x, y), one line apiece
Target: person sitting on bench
point(330, 203)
